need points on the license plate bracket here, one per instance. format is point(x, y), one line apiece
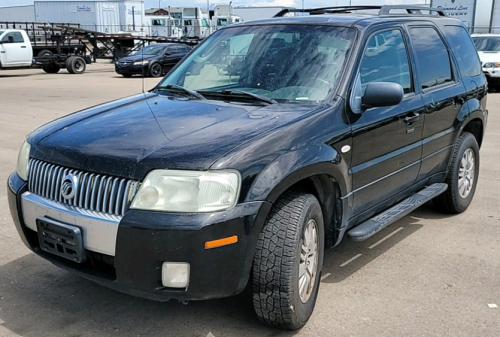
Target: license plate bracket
point(61, 239)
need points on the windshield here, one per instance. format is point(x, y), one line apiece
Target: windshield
point(287, 63)
point(485, 43)
point(1, 32)
point(151, 50)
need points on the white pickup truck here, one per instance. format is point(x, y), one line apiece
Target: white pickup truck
point(16, 52)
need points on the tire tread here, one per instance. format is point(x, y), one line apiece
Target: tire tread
point(273, 262)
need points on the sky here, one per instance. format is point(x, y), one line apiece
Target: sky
point(290, 3)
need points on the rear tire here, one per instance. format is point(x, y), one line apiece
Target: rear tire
point(76, 65)
point(45, 52)
point(288, 261)
point(462, 177)
point(51, 68)
point(155, 70)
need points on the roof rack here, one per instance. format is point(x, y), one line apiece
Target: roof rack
point(383, 10)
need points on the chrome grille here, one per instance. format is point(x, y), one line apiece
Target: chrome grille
point(94, 192)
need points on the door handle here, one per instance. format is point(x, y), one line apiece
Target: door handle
point(23, 46)
point(411, 119)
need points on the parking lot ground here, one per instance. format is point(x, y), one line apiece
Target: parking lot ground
point(429, 274)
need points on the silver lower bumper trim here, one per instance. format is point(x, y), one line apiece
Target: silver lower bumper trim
point(99, 229)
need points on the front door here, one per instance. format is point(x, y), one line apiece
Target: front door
point(386, 147)
point(15, 50)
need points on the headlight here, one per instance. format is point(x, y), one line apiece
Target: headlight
point(188, 191)
point(141, 62)
point(23, 161)
point(492, 65)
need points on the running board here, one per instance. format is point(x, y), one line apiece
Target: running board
point(374, 225)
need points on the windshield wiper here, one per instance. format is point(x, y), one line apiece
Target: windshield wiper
point(241, 93)
point(180, 89)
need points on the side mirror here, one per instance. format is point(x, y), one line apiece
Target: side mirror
point(167, 53)
point(380, 94)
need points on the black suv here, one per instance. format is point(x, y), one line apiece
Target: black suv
point(267, 144)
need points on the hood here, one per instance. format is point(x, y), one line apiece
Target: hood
point(489, 56)
point(139, 57)
point(130, 137)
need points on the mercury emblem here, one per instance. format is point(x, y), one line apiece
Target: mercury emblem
point(69, 186)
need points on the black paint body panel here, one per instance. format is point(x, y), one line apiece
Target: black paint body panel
point(372, 160)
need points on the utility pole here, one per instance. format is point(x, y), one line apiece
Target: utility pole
point(133, 18)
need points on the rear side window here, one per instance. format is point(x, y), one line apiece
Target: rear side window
point(464, 50)
point(433, 60)
point(386, 60)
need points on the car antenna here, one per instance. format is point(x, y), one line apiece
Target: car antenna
point(142, 65)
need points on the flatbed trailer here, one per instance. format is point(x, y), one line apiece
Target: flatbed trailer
point(47, 39)
point(67, 45)
point(115, 46)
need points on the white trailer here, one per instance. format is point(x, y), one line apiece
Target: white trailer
point(17, 13)
point(495, 18)
point(102, 16)
point(256, 13)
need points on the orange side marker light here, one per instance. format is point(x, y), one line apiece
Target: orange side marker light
point(221, 242)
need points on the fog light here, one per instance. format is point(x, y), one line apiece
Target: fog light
point(175, 274)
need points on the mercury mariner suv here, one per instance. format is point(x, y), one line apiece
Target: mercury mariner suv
point(269, 143)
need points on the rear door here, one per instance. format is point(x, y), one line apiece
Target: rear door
point(387, 147)
point(171, 56)
point(443, 93)
point(16, 50)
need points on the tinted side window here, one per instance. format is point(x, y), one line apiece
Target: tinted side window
point(386, 60)
point(14, 37)
point(464, 50)
point(434, 66)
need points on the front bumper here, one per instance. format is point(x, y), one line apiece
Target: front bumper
point(144, 240)
point(134, 69)
point(492, 74)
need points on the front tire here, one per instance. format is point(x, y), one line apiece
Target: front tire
point(288, 261)
point(155, 70)
point(462, 176)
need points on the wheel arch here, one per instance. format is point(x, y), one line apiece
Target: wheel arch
point(323, 177)
point(327, 190)
point(476, 128)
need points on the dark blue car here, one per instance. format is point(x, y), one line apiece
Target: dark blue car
point(154, 60)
